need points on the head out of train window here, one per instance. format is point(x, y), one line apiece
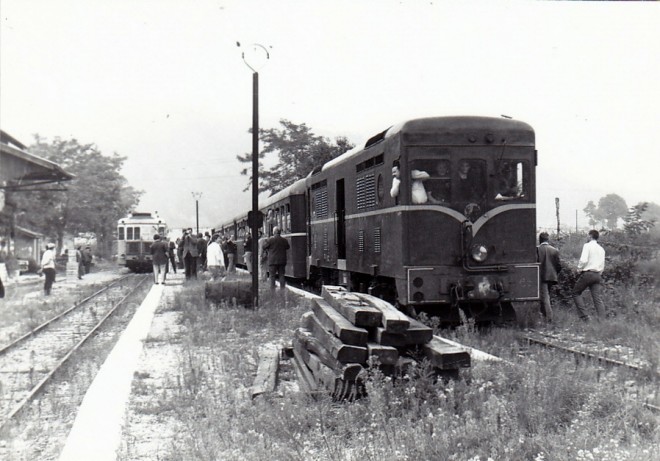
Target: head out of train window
point(396, 180)
point(431, 181)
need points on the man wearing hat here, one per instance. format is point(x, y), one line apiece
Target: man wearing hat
point(48, 267)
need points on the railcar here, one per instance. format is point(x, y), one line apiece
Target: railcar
point(453, 234)
point(135, 234)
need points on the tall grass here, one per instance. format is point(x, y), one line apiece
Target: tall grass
point(551, 409)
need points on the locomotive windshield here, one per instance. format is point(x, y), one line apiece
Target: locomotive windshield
point(446, 181)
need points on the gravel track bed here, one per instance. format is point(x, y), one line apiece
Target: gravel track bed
point(40, 431)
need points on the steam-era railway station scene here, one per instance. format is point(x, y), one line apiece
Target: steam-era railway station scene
point(389, 269)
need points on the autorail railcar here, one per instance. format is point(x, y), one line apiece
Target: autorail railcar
point(135, 234)
point(457, 237)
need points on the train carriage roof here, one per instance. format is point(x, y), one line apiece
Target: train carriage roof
point(297, 188)
point(138, 217)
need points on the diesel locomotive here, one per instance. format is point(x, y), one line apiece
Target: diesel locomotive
point(434, 214)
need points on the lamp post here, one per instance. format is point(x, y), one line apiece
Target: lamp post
point(255, 57)
point(197, 196)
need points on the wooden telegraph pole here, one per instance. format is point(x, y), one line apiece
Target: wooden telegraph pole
point(557, 210)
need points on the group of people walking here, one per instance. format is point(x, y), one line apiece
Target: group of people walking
point(590, 267)
point(218, 255)
point(191, 250)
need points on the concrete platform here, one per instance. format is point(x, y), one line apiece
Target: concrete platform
point(96, 432)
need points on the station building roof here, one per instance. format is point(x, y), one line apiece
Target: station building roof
point(19, 169)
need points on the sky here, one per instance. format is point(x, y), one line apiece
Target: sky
point(163, 83)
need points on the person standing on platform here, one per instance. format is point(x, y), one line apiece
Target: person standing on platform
point(79, 260)
point(190, 254)
point(171, 252)
point(201, 252)
point(263, 257)
point(179, 250)
point(87, 259)
point(549, 268)
point(215, 259)
point(247, 252)
point(159, 258)
point(277, 247)
point(48, 267)
point(232, 254)
point(223, 247)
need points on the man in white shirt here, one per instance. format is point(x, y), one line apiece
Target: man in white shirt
point(48, 267)
point(215, 261)
point(590, 266)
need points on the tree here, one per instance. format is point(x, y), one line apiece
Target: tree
point(634, 223)
point(611, 208)
point(298, 151)
point(591, 211)
point(93, 201)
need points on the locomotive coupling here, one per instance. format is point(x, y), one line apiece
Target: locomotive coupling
point(483, 288)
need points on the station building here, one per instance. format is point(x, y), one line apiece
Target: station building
point(21, 171)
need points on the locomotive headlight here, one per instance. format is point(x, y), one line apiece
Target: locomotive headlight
point(479, 253)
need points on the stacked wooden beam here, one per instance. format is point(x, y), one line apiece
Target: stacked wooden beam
point(346, 332)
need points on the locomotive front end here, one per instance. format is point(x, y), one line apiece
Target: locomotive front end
point(470, 222)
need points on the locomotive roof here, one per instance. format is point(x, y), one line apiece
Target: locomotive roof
point(451, 123)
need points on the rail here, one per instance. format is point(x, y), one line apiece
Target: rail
point(34, 391)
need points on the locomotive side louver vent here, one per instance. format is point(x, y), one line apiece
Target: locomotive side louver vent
point(377, 240)
point(366, 191)
point(361, 241)
point(321, 199)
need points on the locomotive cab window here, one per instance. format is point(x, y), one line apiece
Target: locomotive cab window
point(510, 180)
point(120, 233)
point(439, 183)
point(430, 181)
point(470, 178)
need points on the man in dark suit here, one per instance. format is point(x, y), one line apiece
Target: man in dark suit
point(159, 257)
point(550, 266)
point(277, 246)
point(190, 254)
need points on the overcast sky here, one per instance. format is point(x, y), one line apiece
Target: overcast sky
point(162, 83)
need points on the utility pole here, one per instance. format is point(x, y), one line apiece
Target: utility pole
point(257, 57)
point(197, 196)
point(557, 211)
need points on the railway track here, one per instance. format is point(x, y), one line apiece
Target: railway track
point(551, 342)
point(28, 363)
